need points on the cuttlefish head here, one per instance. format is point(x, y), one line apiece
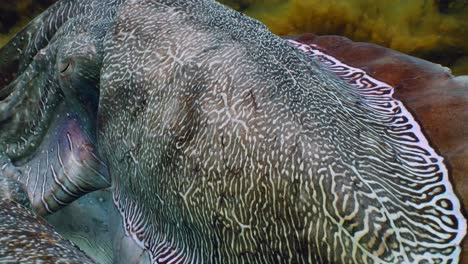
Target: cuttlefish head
point(49, 92)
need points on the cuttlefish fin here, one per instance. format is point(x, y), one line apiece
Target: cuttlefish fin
point(425, 173)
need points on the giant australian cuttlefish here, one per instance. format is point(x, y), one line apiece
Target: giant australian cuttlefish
point(204, 138)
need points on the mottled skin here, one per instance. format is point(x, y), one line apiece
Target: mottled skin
point(27, 238)
point(226, 144)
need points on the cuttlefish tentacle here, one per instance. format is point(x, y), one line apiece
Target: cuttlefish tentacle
point(27, 238)
point(47, 140)
point(16, 91)
point(20, 51)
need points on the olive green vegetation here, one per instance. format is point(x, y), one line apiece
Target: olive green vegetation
point(436, 30)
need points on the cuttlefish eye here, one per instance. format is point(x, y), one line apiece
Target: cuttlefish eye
point(78, 77)
point(66, 67)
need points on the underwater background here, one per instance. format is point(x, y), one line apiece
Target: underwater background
point(435, 30)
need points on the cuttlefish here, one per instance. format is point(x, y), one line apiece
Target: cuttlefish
point(25, 236)
point(218, 141)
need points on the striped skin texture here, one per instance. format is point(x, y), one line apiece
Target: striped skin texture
point(101, 234)
point(86, 222)
point(47, 132)
point(227, 144)
point(26, 237)
point(371, 87)
point(13, 190)
point(438, 100)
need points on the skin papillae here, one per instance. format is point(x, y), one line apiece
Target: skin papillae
point(222, 142)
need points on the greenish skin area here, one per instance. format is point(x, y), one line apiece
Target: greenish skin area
point(218, 141)
point(13, 190)
point(94, 224)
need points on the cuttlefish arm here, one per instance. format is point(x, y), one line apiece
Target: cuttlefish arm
point(45, 141)
point(26, 237)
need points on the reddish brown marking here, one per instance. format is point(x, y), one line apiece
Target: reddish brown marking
point(437, 99)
